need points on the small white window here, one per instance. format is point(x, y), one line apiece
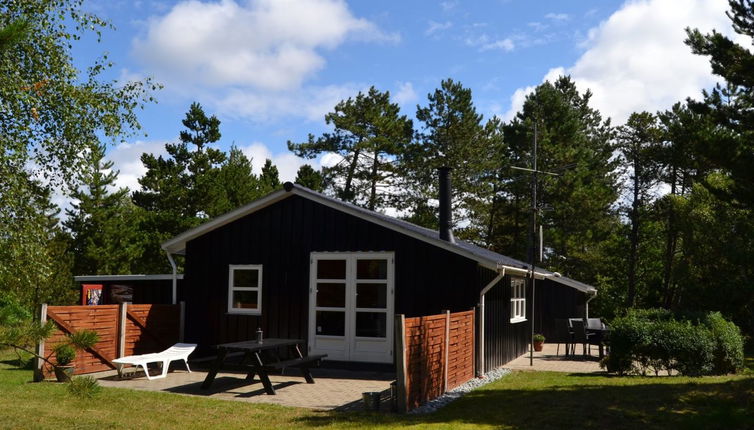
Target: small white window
point(518, 300)
point(245, 289)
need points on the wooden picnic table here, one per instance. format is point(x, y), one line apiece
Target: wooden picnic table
point(253, 364)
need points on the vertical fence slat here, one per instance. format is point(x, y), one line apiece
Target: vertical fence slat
point(39, 363)
point(122, 315)
point(400, 355)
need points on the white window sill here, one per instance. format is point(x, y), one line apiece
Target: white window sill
point(240, 312)
point(517, 320)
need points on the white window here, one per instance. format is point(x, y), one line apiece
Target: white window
point(245, 289)
point(518, 300)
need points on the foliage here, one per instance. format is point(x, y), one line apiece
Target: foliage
point(103, 224)
point(50, 113)
point(728, 142)
point(84, 387)
point(538, 338)
point(368, 133)
point(310, 178)
point(575, 142)
point(691, 344)
point(64, 354)
point(450, 136)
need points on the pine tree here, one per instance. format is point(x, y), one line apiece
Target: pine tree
point(451, 136)
point(576, 142)
point(639, 143)
point(368, 134)
point(102, 223)
point(728, 144)
point(180, 191)
point(310, 178)
point(239, 185)
point(269, 179)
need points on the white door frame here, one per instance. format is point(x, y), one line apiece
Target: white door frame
point(354, 348)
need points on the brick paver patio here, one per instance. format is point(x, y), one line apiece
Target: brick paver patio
point(333, 388)
point(548, 360)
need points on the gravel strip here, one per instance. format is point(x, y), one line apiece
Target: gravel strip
point(458, 392)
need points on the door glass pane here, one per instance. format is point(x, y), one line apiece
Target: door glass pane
point(246, 278)
point(371, 269)
point(331, 323)
point(331, 269)
point(371, 296)
point(371, 324)
point(331, 295)
point(245, 300)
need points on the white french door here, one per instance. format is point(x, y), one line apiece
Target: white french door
point(351, 300)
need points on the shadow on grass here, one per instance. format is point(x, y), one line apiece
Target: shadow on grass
point(18, 364)
point(563, 404)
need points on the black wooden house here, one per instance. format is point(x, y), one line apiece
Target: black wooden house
point(298, 264)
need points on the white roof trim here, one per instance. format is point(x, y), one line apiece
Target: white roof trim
point(105, 278)
point(584, 288)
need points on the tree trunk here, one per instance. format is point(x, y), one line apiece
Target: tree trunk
point(347, 191)
point(634, 237)
point(670, 245)
point(373, 191)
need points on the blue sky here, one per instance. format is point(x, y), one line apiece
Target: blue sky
point(271, 69)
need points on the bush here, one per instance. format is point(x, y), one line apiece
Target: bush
point(84, 387)
point(64, 354)
point(692, 344)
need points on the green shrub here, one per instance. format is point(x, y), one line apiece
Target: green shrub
point(84, 387)
point(692, 344)
point(64, 354)
point(538, 338)
point(728, 344)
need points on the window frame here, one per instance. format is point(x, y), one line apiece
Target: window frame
point(244, 311)
point(518, 300)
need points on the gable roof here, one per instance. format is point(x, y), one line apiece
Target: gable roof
point(484, 257)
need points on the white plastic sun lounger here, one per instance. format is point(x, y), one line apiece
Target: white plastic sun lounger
point(179, 351)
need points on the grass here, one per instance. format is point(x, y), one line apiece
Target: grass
point(541, 400)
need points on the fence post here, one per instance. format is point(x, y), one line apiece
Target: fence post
point(38, 362)
point(122, 315)
point(479, 341)
point(400, 355)
point(182, 321)
point(447, 354)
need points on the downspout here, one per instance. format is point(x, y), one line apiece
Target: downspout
point(484, 291)
point(594, 294)
point(175, 276)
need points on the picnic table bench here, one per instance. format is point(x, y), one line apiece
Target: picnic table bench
point(253, 364)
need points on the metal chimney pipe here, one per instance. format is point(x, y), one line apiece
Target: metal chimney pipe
point(446, 211)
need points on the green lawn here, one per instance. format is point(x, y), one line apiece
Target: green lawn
point(540, 400)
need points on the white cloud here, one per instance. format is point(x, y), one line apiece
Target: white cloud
point(311, 103)
point(485, 43)
point(557, 16)
point(405, 93)
point(636, 60)
point(126, 158)
point(437, 26)
point(267, 44)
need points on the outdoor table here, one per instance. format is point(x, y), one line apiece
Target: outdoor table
point(253, 364)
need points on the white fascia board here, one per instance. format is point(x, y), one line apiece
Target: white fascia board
point(584, 288)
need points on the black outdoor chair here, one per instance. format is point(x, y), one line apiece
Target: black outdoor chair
point(579, 335)
point(598, 333)
point(562, 334)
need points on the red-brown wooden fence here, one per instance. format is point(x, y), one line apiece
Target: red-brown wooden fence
point(435, 354)
point(124, 329)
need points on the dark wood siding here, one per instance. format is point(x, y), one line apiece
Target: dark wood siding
point(553, 300)
point(281, 237)
point(503, 341)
